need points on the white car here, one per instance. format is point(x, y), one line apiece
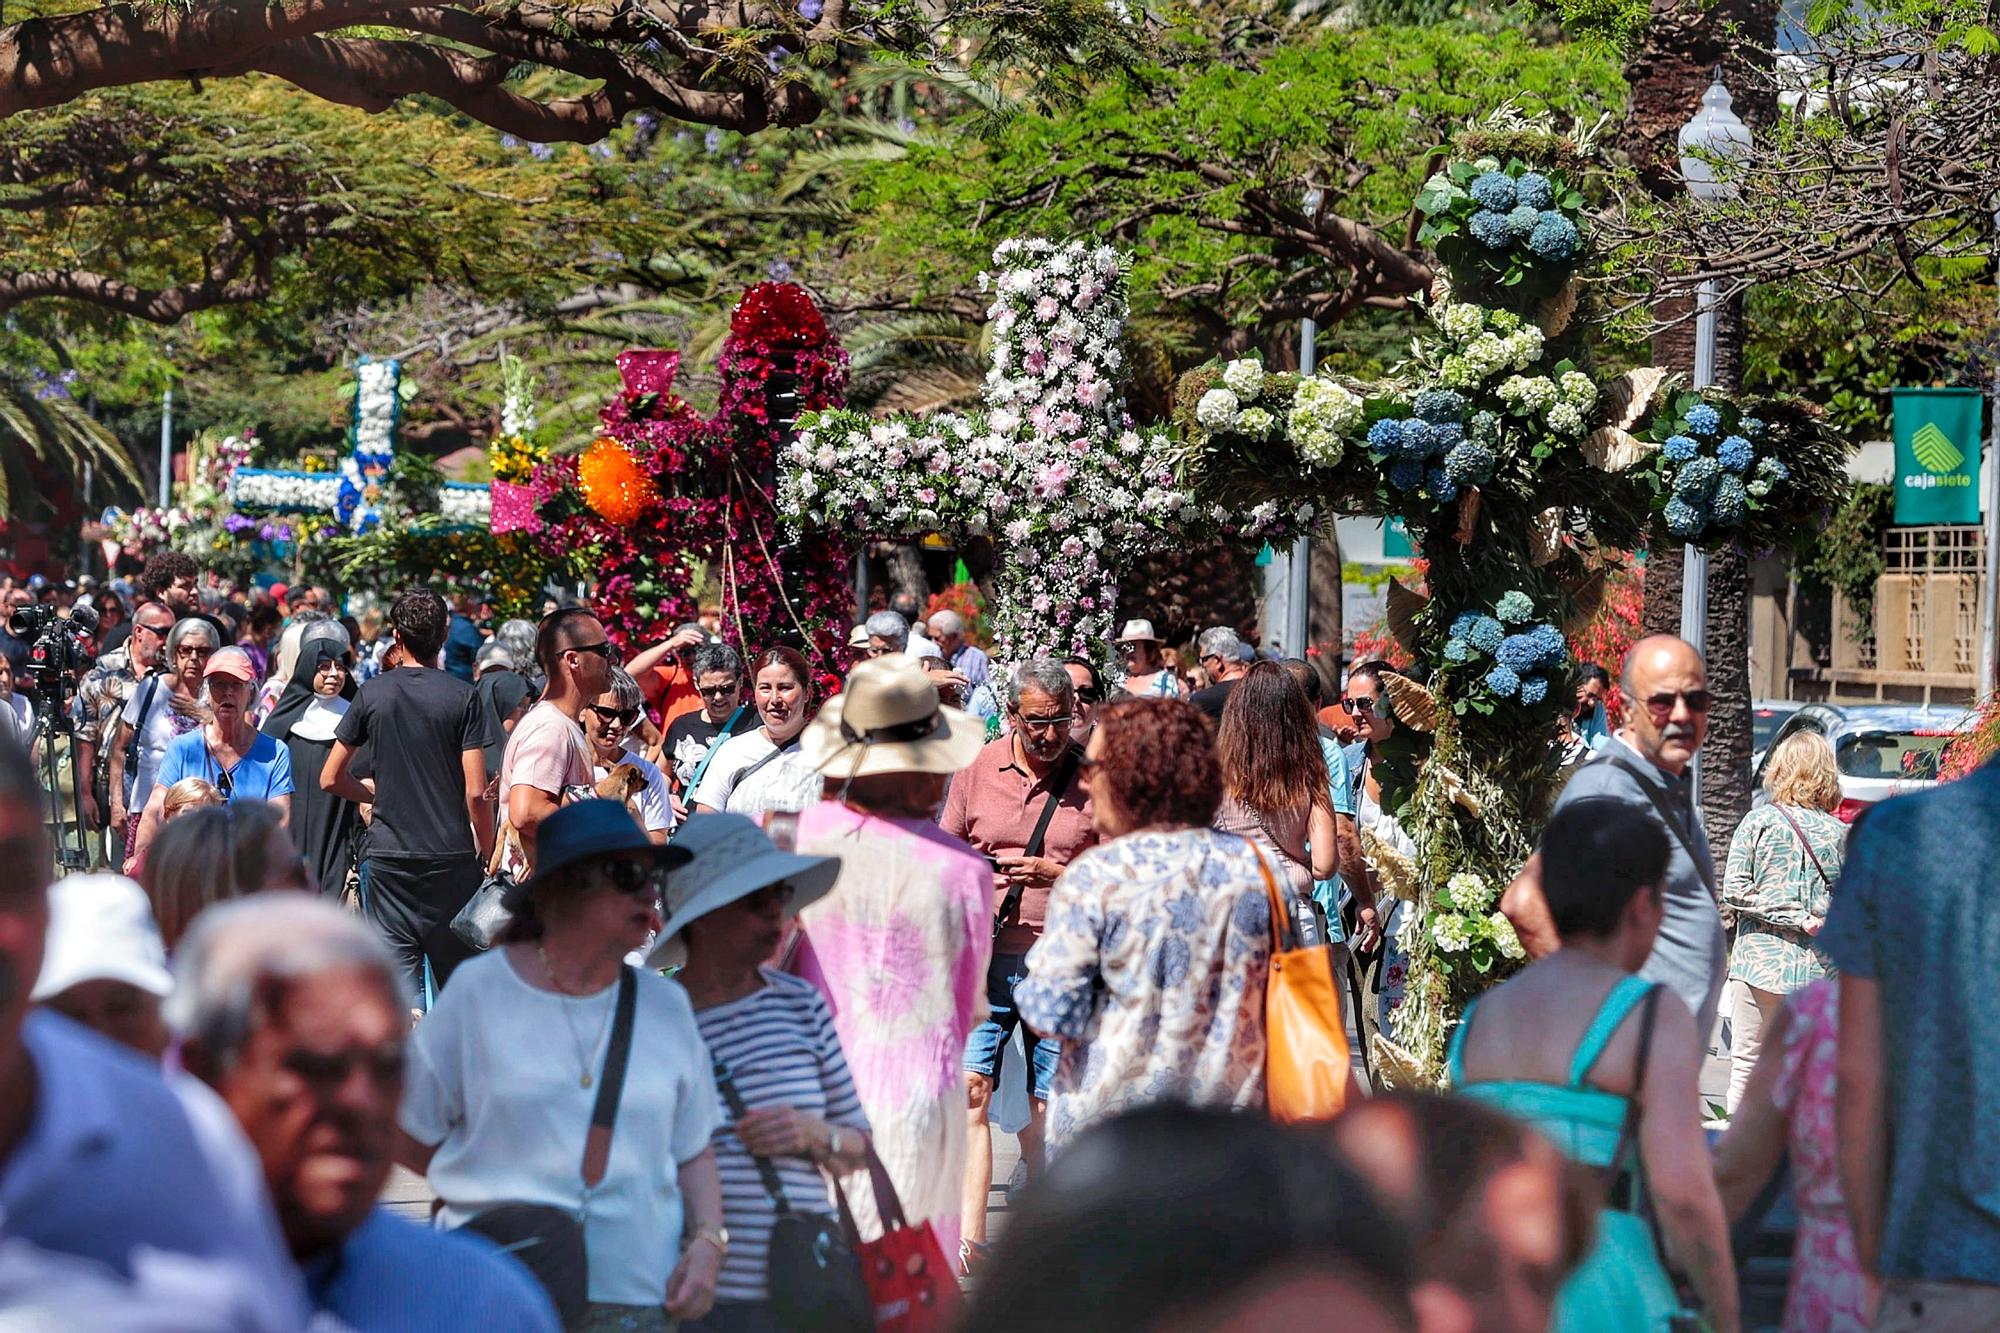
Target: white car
point(1882, 750)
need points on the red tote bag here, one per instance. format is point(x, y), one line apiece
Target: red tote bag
point(914, 1287)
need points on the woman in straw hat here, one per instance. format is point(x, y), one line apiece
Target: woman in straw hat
point(1147, 674)
point(901, 945)
point(772, 1041)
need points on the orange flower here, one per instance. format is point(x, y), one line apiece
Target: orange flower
point(612, 483)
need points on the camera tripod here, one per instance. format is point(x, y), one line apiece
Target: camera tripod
point(52, 720)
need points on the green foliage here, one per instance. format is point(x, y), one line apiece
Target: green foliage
point(1847, 554)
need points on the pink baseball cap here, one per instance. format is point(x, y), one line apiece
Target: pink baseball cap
point(230, 662)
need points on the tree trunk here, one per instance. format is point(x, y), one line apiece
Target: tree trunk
point(906, 572)
point(1329, 625)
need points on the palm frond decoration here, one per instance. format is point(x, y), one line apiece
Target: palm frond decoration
point(55, 432)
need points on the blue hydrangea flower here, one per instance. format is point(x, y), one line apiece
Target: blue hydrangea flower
point(1680, 448)
point(1469, 463)
point(1731, 501)
point(1443, 437)
point(1533, 189)
point(1490, 229)
point(1518, 653)
point(1485, 633)
point(1386, 435)
point(1534, 689)
point(1703, 419)
point(1493, 189)
point(1503, 682)
point(1521, 220)
point(1417, 439)
point(1751, 426)
point(1554, 238)
point(1457, 650)
point(1516, 607)
point(1771, 466)
point(1551, 648)
point(1684, 519)
point(1442, 488)
point(1735, 454)
point(1440, 405)
point(1461, 628)
point(1484, 425)
point(1405, 473)
point(1696, 479)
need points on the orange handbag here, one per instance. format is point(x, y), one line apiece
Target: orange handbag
point(1306, 1058)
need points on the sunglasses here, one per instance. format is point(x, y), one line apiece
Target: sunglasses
point(332, 1069)
point(224, 783)
point(190, 651)
point(601, 648)
point(632, 877)
point(1661, 706)
point(621, 717)
point(1358, 705)
point(718, 691)
point(1046, 723)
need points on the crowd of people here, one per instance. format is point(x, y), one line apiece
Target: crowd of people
point(638, 963)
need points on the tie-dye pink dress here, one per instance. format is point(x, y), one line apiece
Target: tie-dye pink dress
point(1828, 1293)
point(900, 949)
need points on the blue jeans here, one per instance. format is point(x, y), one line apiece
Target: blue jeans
point(983, 1047)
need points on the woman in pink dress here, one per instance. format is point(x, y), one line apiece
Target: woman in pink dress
point(900, 946)
point(1788, 1103)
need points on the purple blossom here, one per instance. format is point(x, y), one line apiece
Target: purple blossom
point(810, 10)
point(712, 140)
point(541, 151)
point(778, 270)
point(509, 142)
point(601, 148)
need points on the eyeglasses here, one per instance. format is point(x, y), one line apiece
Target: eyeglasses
point(160, 630)
point(331, 1069)
point(1045, 723)
point(632, 877)
point(618, 717)
point(1358, 705)
point(601, 648)
point(873, 651)
point(718, 691)
point(224, 783)
point(1661, 706)
point(193, 652)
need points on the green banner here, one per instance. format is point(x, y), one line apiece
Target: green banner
point(1937, 455)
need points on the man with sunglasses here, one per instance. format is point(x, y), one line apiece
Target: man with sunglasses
point(1645, 765)
point(1221, 650)
point(101, 699)
point(425, 848)
point(548, 756)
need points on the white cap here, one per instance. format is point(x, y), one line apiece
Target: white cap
point(101, 928)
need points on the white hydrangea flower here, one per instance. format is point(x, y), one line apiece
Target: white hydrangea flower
point(1217, 409)
point(1255, 422)
point(1462, 321)
point(1564, 419)
point(1579, 390)
point(1244, 378)
point(1450, 932)
point(1469, 893)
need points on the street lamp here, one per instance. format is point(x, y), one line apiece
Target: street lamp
point(1712, 146)
point(1298, 595)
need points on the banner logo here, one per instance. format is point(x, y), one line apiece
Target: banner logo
point(1934, 451)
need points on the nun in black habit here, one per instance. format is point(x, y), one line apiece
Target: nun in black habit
point(324, 827)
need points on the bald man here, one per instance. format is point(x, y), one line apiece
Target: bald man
point(1646, 764)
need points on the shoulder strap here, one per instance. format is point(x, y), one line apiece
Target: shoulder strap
point(1629, 1130)
point(1681, 828)
point(1620, 1002)
point(1804, 842)
point(733, 1099)
point(145, 711)
point(604, 1116)
point(721, 737)
point(1058, 784)
point(743, 775)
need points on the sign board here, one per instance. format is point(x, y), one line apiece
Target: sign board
point(1937, 455)
point(1396, 540)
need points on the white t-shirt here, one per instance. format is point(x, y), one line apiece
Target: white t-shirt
point(655, 802)
point(495, 1082)
point(153, 737)
point(786, 783)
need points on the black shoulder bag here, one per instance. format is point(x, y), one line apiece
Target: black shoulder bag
point(811, 1275)
point(1010, 906)
point(549, 1240)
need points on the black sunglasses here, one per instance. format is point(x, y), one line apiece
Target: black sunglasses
point(1661, 706)
point(623, 717)
point(1358, 705)
point(602, 648)
point(632, 877)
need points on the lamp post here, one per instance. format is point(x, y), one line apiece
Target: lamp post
point(1288, 579)
point(1713, 142)
point(1989, 594)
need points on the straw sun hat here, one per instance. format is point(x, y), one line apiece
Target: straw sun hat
point(889, 720)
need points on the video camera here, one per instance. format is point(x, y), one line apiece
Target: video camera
point(58, 649)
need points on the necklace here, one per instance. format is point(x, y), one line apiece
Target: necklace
point(583, 1053)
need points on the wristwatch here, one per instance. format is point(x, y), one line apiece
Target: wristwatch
point(715, 1234)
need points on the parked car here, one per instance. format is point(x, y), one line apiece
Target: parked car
point(1882, 750)
point(1766, 716)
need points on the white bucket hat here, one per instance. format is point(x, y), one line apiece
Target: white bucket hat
point(889, 720)
point(1138, 631)
point(101, 928)
point(732, 858)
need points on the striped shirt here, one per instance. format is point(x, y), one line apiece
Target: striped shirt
point(781, 1049)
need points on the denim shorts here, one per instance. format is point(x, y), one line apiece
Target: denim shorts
point(983, 1048)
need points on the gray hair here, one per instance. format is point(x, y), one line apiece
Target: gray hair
point(187, 627)
point(519, 637)
point(1045, 674)
point(494, 653)
point(234, 947)
point(626, 689)
point(947, 622)
point(1220, 641)
point(712, 657)
point(888, 625)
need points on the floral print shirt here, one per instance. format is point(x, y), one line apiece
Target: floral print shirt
point(1151, 970)
point(1779, 896)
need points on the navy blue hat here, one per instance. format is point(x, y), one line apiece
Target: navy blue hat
point(582, 830)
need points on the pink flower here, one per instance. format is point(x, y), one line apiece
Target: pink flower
point(1046, 309)
point(1079, 446)
point(1037, 362)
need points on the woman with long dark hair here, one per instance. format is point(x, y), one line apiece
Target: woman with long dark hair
point(323, 826)
point(762, 769)
point(1274, 779)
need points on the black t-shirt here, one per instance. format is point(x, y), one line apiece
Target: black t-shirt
point(418, 723)
point(1212, 699)
point(690, 736)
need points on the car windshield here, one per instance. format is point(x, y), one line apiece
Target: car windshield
point(1897, 755)
point(1764, 724)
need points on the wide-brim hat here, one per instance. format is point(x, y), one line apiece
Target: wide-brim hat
point(889, 720)
point(583, 830)
point(1138, 631)
point(730, 859)
point(858, 637)
point(101, 928)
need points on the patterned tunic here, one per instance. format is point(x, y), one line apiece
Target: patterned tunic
point(101, 698)
point(1779, 897)
point(1828, 1292)
point(1151, 969)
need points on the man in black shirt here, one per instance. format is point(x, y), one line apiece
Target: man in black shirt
point(718, 677)
point(1222, 656)
point(432, 831)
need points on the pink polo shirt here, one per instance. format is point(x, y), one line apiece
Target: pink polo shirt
point(995, 803)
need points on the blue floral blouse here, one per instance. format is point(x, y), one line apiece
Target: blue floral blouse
point(1779, 896)
point(1151, 970)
